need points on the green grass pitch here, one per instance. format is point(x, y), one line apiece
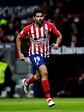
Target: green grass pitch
point(40, 105)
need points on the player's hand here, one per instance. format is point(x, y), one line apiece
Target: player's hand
point(21, 56)
point(55, 46)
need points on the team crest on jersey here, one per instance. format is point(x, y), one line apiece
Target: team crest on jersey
point(45, 32)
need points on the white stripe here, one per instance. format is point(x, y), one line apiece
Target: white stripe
point(42, 32)
point(33, 36)
point(32, 32)
point(41, 48)
point(29, 52)
point(32, 46)
point(36, 46)
point(37, 33)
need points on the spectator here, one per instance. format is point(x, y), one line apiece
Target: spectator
point(74, 41)
point(67, 28)
point(29, 19)
point(16, 20)
point(5, 77)
point(81, 85)
point(45, 8)
point(3, 37)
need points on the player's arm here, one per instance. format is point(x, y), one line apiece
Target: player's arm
point(58, 41)
point(18, 45)
point(21, 35)
point(58, 34)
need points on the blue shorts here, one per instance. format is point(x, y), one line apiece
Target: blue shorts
point(37, 60)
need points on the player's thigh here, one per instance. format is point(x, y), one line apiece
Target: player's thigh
point(43, 70)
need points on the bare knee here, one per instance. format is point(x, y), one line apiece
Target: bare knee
point(44, 74)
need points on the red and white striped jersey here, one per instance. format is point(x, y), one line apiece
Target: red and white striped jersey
point(39, 37)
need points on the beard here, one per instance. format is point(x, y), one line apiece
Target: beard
point(40, 22)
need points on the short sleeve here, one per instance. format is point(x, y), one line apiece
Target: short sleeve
point(54, 29)
point(24, 32)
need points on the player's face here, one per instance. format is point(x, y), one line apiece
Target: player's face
point(38, 18)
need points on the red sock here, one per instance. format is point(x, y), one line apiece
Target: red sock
point(46, 88)
point(31, 80)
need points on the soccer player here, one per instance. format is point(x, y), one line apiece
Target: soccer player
point(39, 34)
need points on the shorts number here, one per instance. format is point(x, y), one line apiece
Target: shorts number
point(36, 58)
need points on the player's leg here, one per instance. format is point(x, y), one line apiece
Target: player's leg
point(45, 84)
point(35, 77)
point(32, 79)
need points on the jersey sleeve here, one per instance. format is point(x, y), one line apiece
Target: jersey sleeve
point(54, 30)
point(24, 32)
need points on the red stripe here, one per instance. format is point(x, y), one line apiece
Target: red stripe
point(39, 37)
point(43, 32)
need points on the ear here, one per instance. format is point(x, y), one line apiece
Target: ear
point(33, 18)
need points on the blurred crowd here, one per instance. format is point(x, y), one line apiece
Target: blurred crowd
point(69, 20)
